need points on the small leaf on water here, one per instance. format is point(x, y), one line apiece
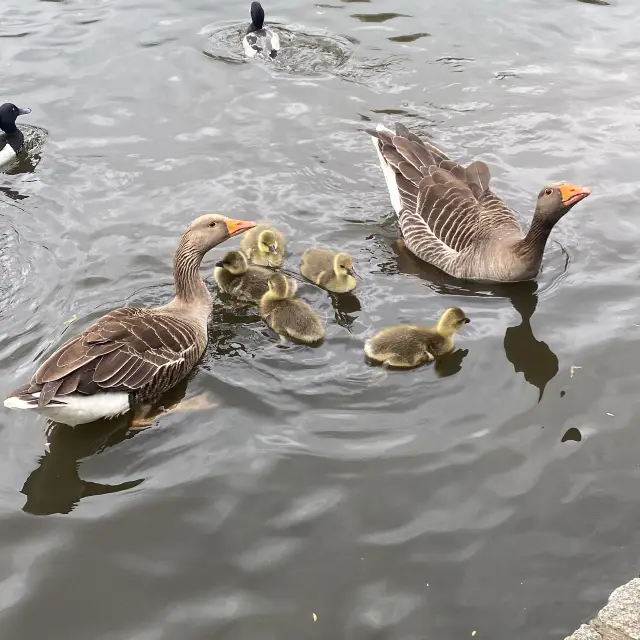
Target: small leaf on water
point(473, 633)
point(315, 617)
point(74, 317)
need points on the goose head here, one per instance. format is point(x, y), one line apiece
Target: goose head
point(343, 265)
point(451, 321)
point(280, 287)
point(555, 200)
point(235, 262)
point(208, 231)
point(8, 114)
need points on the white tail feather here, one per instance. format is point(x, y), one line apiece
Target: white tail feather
point(388, 172)
point(76, 408)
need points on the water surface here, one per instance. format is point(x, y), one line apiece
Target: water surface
point(493, 493)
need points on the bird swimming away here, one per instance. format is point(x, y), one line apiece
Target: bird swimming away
point(449, 217)
point(12, 139)
point(129, 357)
point(408, 346)
point(260, 39)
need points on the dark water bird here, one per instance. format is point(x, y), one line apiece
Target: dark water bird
point(288, 316)
point(449, 217)
point(235, 276)
point(12, 139)
point(408, 346)
point(131, 356)
point(260, 39)
point(330, 270)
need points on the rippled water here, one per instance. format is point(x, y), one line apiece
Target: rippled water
point(493, 493)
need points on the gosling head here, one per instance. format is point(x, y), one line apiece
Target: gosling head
point(280, 287)
point(267, 242)
point(343, 265)
point(557, 199)
point(235, 262)
point(451, 321)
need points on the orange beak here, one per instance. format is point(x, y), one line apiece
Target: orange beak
point(235, 227)
point(572, 194)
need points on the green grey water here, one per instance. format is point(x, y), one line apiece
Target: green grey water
point(493, 493)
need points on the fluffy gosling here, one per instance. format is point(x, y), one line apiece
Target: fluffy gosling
point(330, 270)
point(235, 277)
point(407, 346)
point(264, 246)
point(288, 316)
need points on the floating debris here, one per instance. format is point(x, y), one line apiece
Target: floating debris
point(74, 317)
point(315, 617)
point(573, 370)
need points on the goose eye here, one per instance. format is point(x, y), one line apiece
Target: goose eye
point(548, 192)
point(213, 224)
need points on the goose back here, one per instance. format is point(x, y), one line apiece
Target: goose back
point(143, 352)
point(447, 212)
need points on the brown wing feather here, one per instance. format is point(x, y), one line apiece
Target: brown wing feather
point(123, 351)
point(453, 200)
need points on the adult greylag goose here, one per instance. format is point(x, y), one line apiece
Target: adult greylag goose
point(128, 358)
point(450, 218)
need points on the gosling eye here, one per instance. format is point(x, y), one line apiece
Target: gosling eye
point(342, 266)
point(548, 192)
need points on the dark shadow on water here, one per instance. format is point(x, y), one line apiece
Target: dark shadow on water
point(450, 363)
point(528, 355)
point(378, 17)
point(55, 485)
point(344, 305)
point(412, 37)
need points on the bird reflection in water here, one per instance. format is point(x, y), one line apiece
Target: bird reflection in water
point(528, 355)
point(55, 486)
point(344, 306)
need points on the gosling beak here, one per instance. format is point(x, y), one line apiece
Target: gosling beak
point(219, 263)
point(467, 320)
point(352, 272)
point(24, 112)
point(572, 195)
point(236, 227)
point(272, 249)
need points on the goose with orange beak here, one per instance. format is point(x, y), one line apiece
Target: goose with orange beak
point(449, 216)
point(131, 356)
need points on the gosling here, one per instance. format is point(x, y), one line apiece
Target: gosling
point(235, 277)
point(330, 270)
point(286, 315)
point(408, 346)
point(264, 246)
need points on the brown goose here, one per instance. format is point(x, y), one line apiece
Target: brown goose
point(130, 357)
point(450, 218)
